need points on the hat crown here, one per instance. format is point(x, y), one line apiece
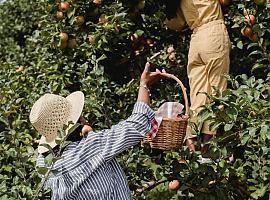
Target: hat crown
point(49, 114)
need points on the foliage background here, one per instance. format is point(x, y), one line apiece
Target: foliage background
point(108, 71)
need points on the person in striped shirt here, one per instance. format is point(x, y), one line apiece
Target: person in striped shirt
point(89, 169)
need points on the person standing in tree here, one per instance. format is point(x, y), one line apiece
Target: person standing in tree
point(208, 57)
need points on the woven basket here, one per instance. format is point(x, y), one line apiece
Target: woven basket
point(171, 132)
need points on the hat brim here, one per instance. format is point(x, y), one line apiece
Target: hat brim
point(76, 100)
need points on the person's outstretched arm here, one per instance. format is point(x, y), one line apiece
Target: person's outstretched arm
point(110, 142)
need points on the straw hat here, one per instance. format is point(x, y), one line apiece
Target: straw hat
point(50, 112)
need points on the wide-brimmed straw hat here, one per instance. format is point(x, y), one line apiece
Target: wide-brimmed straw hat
point(50, 112)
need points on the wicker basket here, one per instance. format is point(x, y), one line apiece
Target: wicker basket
point(171, 132)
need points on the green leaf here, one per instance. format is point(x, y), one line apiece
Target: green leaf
point(245, 139)
point(228, 127)
point(3, 120)
point(239, 44)
point(140, 32)
point(49, 159)
point(255, 53)
point(47, 146)
point(252, 45)
point(73, 128)
point(258, 66)
point(42, 170)
point(20, 172)
point(71, 12)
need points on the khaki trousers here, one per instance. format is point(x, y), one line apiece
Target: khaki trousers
point(208, 61)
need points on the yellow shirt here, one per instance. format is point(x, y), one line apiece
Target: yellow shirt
point(195, 13)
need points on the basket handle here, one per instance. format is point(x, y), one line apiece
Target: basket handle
point(182, 87)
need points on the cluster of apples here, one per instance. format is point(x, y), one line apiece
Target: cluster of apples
point(64, 6)
point(65, 40)
point(171, 54)
point(247, 31)
point(141, 42)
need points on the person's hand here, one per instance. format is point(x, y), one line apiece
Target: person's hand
point(147, 77)
point(86, 127)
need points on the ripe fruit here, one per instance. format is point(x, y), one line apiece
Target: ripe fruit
point(170, 50)
point(247, 32)
point(141, 4)
point(134, 37)
point(97, 2)
point(72, 43)
point(250, 19)
point(20, 69)
point(224, 2)
point(221, 107)
point(174, 185)
point(259, 2)
point(80, 20)
point(102, 19)
point(171, 57)
point(91, 39)
point(63, 36)
point(252, 113)
point(59, 15)
point(63, 6)
point(182, 161)
point(107, 27)
point(63, 44)
point(253, 37)
point(150, 42)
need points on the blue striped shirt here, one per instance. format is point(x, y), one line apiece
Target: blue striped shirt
point(89, 169)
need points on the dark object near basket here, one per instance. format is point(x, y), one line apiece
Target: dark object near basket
point(171, 132)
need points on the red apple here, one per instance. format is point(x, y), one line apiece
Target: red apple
point(253, 37)
point(182, 161)
point(259, 2)
point(247, 32)
point(134, 37)
point(174, 185)
point(63, 36)
point(80, 20)
point(63, 6)
point(97, 2)
point(150, 42)
point(102, 19)
point(59, 15)
point(63, 44)
point(72, 44)
point(250, 19)
point(170, 50)
point(171, 57)
point(141, 4)
point(92, 39)
point(225, 2)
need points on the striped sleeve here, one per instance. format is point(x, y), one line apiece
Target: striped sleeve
point(121, 136)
